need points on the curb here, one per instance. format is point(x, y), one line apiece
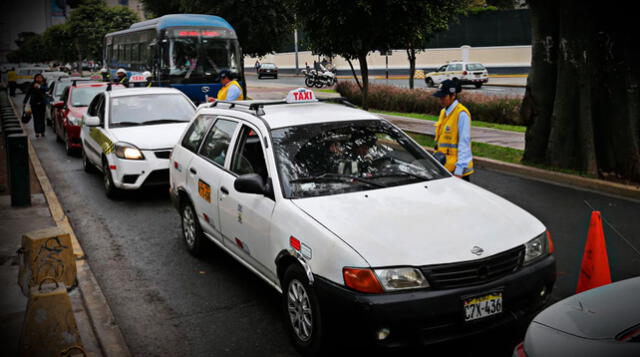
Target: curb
point(110, 338)
point(561, 179)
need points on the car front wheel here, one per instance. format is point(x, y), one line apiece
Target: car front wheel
point(302, 312)
point(109, 188)
point(429, 82)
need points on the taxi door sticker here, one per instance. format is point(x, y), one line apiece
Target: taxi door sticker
point(204, 190)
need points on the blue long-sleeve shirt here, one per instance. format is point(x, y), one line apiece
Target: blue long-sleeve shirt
point(464, 140)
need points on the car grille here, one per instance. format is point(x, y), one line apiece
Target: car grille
point(157, 177)
point(475, 271)
point(162, 154)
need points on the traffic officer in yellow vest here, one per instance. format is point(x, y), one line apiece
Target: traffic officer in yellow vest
point(231, 89)
point(121, 77)
point(453, 131)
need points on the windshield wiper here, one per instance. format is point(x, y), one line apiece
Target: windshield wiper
point(336, 177)
point(125, 123)
point(404, 173)
point(162, 121)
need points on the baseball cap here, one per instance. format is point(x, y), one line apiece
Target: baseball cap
point(448, 87)
point(225, 73)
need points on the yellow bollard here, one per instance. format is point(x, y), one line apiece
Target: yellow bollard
point(50, 328)
point(46, 253)
point(418, 74)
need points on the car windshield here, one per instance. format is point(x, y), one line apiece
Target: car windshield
point(475, 67)
point(82, 96)
point(199, 54)
point(150, 109)
point(332, 158)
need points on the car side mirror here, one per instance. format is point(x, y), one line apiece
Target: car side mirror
point(250, 183)
point(58, 104)
point(91, 121)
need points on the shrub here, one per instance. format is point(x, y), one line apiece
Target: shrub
point(491, 109)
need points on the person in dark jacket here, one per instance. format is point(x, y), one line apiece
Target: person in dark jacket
point(37, 98)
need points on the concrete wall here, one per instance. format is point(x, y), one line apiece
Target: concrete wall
point(514, 59)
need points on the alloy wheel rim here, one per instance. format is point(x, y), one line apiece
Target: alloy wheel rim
point(188, 226)
point(299, 308)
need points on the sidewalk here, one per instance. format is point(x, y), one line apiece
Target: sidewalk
point(99, 333)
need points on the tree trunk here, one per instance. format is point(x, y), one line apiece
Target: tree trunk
point(581, 105)
point(355, 76)
point(364, 71)
point(411, 54)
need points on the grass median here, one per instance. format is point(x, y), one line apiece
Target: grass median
point(489, 151)
point(480, 124)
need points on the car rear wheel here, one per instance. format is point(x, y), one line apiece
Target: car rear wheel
point(302, 311)
point(478, 85)
point(429, 82)
point(67, 145)
point(109, 188)
point(191, 231)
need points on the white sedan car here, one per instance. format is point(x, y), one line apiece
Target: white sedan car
point(355, 224)
point(128, 135)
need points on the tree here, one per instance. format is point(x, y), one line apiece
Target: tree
point(91, 21)
point(350, 29)
point(415, 22)
point(582, 101)
point(59, 43)
point(31, 48)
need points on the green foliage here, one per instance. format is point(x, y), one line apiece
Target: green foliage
point(31, 48)
point(58, 42)
point(261, 25)
point(91, 21)
point(491, 109)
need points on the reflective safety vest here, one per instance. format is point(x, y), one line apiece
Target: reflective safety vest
point(222, 93)
point(447, 138)
point(12, 76)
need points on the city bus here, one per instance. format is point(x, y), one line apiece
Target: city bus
point(184, 51)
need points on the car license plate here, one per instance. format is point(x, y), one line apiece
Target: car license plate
point(482, 306)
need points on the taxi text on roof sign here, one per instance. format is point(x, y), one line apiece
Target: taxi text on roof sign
point(301, 95)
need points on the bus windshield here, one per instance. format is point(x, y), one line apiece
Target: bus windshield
point(193, 55)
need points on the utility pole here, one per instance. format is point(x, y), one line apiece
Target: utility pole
point(295, 41)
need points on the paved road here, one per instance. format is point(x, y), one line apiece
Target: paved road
point(404, 83)
point(169, 303)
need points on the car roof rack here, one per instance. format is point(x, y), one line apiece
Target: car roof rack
point(258, 108)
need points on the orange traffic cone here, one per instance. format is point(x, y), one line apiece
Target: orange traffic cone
point(594, 271)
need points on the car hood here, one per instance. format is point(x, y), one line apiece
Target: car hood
point(600, 313)
point(150, 137)
point(425, 223)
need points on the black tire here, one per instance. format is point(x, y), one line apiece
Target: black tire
point(429, 82)
point(67, 145)
point(191, 231)
point(275, 77)
point(308, 338)
point(259, 77)
point(319, 84)
point(86, 164)
point(308, 82)
point(58, 138)
point(109, 188)
point(478, 85)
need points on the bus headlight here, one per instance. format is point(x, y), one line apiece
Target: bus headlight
point(128, 151)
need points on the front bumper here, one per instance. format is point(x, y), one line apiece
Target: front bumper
point(430, 316)
point(475, 80)
point(134, 174)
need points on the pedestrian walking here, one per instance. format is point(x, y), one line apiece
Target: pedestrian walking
point(231, 89)
point(37, 98)
point(257, 66)
point(453, 131)
point(12, 78)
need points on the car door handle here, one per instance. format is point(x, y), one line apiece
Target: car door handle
point(224, 190)
point(193, 171)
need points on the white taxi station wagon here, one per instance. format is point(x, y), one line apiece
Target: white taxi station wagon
point(355, 224)
point(465, 72)
point(128, 135)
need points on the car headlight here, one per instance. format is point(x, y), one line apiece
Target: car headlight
point(394, 279)
point(128, 151)
point(536, 248)
point(73, 120)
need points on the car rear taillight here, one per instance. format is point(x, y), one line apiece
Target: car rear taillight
point(520, 350)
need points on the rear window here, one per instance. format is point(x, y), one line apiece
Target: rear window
point(268, 66)
point(475, 67)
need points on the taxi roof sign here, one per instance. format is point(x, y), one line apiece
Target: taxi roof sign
point(301, 95)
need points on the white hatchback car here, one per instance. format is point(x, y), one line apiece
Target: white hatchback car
point(128, 135)
point(355, 224)
point(466, 72)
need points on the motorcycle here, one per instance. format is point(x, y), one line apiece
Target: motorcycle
point(320, 79)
